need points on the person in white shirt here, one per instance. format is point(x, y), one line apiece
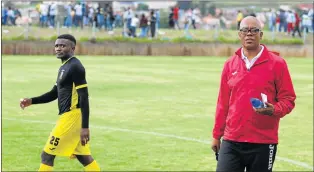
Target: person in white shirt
point(91, 15)
point(130, 15)
point(52, 14)
point(188, 20)
point(290, 21)
point(125, 22)
point(306, 22)
point(68, 19)
point(311, 15)
point(78, 15)
point(134, 24)
point(11, 16)
point(194, 15)
point(271, 20)
point(44, 14)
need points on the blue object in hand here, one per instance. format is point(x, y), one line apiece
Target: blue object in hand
point(257, 103)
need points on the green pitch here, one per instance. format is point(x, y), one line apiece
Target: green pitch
point(147, 113)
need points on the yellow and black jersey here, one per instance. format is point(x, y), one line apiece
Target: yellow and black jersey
point(71, 76)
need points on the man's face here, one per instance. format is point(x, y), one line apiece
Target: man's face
point(64, 48)
point(250, 35)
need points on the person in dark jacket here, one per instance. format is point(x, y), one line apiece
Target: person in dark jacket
point(152, 23)
point(297, 25)
point(143, 26)
point(250, 135)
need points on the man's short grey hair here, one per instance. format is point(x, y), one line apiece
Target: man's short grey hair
point(242, 24)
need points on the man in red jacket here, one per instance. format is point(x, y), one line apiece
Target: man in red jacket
point(250, 136)
point(297, 25)
point(176, 16)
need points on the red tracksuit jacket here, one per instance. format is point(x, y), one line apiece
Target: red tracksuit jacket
point(235, 118)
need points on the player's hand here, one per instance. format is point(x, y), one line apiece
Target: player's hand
point(84, 136)
point(269, 110)
point(24, 102)
point(216, 145)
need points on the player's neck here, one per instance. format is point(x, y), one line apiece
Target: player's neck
point(65, 58)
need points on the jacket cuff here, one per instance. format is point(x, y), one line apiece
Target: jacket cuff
point(216, 136)
point(277, 112)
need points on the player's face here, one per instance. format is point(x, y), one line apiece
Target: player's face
point(63, 48)
point(250, 35)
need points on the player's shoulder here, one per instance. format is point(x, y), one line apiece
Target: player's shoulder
point(75, 62)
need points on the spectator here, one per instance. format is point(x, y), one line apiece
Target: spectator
point(187, 21)
point(129, 17)
point(91, 12)
point(171, 18)
point(11, 16)
point(283, 20)
point(125, 22)
point(296, 24)
point(134, 23)
point(111, 18)
point(52, 14)
point(100, 19)
point(106, 21)
point(286, 23)
point(239, 18)
point(44, 14)
point(4, 16)
point(272, 20)
point(152, 23)
point(306, 22)
point(78, 15)
point(157, 13)
point(277, 22)
point(143, 26)
point(194, 15)
point(290, 21)
point(68, 18)
point(118, 20)
point(73, 15)
point(311, 15)
point(176, 16)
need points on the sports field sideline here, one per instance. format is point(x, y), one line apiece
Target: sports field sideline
point(147, 113)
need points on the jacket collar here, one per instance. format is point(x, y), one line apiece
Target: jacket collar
point(263, 58)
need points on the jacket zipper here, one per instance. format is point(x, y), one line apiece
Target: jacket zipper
point(255, 64)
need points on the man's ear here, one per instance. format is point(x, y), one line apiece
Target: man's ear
point(239, 34)
point(261, 35)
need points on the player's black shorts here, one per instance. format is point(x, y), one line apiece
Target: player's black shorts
point(236, 156)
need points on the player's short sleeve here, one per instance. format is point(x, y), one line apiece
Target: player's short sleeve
point(79, 76)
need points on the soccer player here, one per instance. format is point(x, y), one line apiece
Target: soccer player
point(250, 135)
point(71, 134)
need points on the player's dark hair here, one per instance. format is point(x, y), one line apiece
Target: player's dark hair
point(68, 37)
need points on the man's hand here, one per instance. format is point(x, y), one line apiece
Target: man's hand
point(215, 145)
point(25, 102)
point(269, 110)
point(84, 136)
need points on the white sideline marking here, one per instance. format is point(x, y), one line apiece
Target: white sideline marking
point(298, 163)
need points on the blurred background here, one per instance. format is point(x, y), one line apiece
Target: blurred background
point(152, 19)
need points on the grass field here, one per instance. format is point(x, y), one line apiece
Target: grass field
point(147, 113)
